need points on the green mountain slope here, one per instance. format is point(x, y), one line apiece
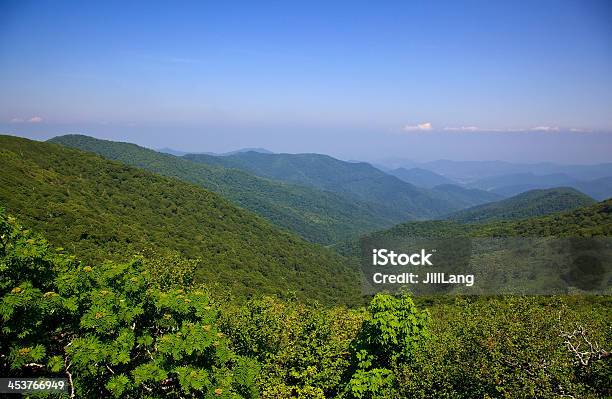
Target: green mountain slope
point(358, 180)
point(319, 216)
point(529, 204)
point(100, 209)
point(588, 221)
point(547, 255)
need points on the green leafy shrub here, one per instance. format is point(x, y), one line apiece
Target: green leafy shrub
point(110, 328)
point(304, 349)
point(393, 332)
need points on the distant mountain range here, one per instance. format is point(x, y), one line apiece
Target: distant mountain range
point(507, 179)
point(248, 149)
point(470, 171)
point(560, 211)
point(358, 180)
point(509, 185)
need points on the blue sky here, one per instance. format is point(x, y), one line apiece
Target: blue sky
point(520, 81)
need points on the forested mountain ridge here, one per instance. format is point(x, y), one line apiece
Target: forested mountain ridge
point(471, 171)
point(528, 204)
point(358, 180)
point(588, 221)
point(101, 209)
point(317, 215)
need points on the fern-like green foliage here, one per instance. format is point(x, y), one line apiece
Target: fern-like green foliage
point(100, 209)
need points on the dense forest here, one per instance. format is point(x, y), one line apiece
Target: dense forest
point(317, 215)
point(132, 284)
point(100, 209)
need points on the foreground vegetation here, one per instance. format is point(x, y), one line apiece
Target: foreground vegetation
point(145, 328)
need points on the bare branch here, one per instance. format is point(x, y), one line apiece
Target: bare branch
point(584, 349)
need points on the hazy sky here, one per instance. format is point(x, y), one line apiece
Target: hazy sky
point(519, 81)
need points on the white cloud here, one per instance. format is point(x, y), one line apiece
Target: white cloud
point(418, 128)
point(545, 129)
point(34, 119)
